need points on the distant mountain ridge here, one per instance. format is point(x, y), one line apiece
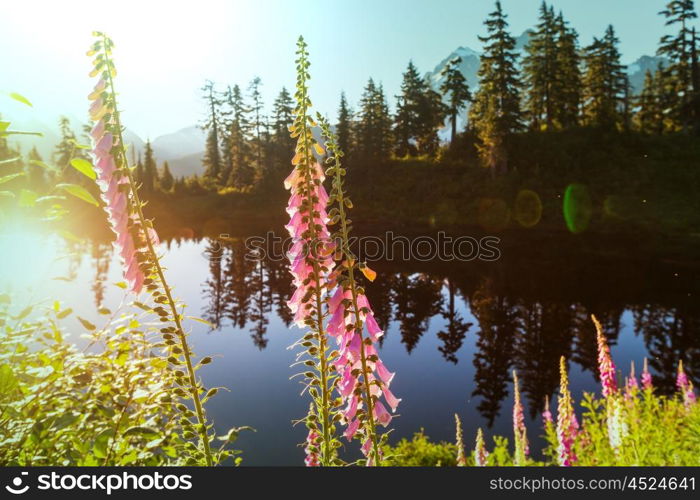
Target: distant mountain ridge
point(471, 58)
point(469, 66)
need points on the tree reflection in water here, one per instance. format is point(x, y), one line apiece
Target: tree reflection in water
point(522, 314)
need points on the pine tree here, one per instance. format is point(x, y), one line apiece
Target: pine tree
point(604, 82)
point(456, 91)
point(373, 126)
point(212, 153)
point(551, 73)
point(627, 105)
point(665, 91)
point(179, 186)
point(138, 171)
point(407, 117)
point(150, 171)
point(257, 125)
point(382, 126)
point(239, 171)
point(432, 112)
point(344, 126)
point(420, 113)
point(282, 119)
point(35, 173)
point(495, 112)
point(695, 80)
point(166, 178)
point(567, 92)
point(540, 71)
point(65, 151)
point(283, 115)
point(678, 49)
point(6, 153)
point(648, 117)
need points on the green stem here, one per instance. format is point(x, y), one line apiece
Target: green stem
point(327, 450)
point(201, 420)
point(359, 326)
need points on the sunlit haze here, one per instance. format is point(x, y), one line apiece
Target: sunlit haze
point(165, 50)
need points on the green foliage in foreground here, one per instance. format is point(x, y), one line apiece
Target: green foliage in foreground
point(421, 452)
point(64, 406)
point(110, 403)
point(657, 431)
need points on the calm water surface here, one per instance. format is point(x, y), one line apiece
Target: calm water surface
point(454, 332)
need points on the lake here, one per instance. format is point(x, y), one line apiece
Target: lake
point(454, 330)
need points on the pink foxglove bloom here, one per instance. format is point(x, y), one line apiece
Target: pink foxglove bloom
point(546, 414)
point(631, 384)
point(481, 455)
point(606, 366)
point(343, 327)
point(311, 249)
point(522, 448)
point(115, 188)
point(647, 383)
point(311, 449)
point(363, 380)
point(685, 386)
point(567, 425)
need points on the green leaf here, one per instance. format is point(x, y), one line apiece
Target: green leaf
point(65, 313)
point(8, 178)
point(233, 433)
point(10, 160)
point(65, 420)
point(84, 167)
point(87, 324)
point(78, 145)
point(8, 381)
point(99, 448)
point(51, 197)
point(21, 132)
point(7, 194)
point(67, 235)
point(142, 431)
point(25, 312)
point(200, 320)
point(27, 198)
point(43, 165)
point(20, 98)
point(78, 192)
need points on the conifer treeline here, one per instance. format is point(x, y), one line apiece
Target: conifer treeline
point(557, 85)
point(243, 146)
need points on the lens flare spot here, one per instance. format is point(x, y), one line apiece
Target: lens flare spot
point(528, 208)
point(578, 208)
point(493, 214)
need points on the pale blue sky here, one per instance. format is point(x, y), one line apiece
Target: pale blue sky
point(165, 49)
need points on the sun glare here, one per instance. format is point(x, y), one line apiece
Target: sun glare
point(28, 257)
